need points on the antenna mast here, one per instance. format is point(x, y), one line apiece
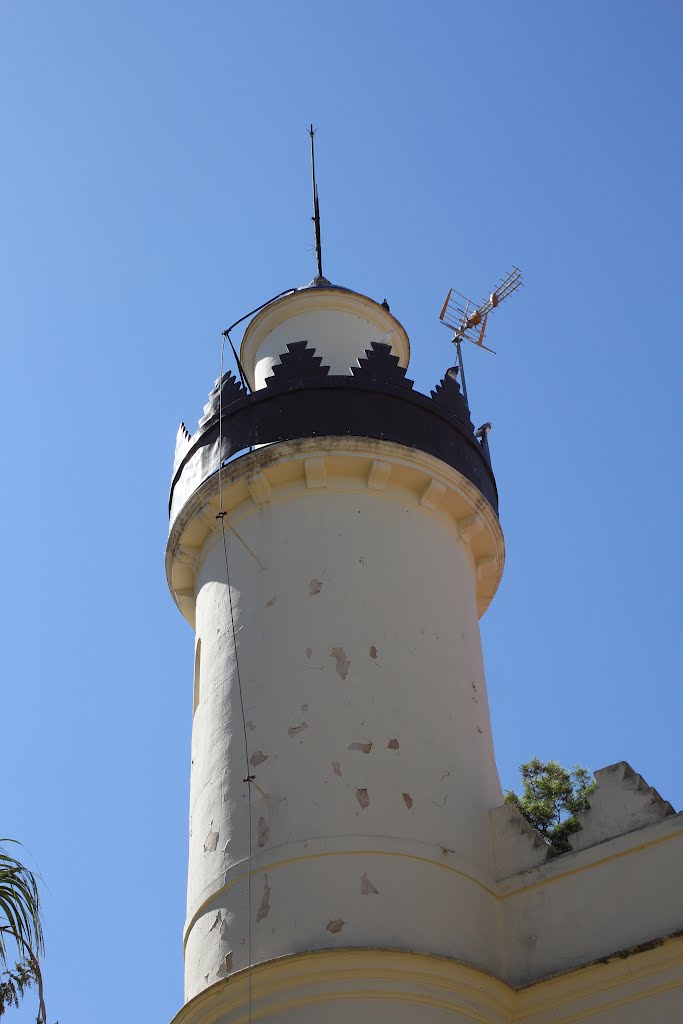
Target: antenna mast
point(316, 208)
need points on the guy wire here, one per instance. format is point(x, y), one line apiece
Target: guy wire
point(248, 778)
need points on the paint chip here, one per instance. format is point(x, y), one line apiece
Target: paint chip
point(211, 842)
point(250, 726)
point(343, 663)
point(364, 748)
point(336, 925)
point(228, 961)
point(264, 909)
point(366, 886)
point(258, 757)
point(309, 652)
point(363, 798)
point(407, 800)
point(294, 730)
point(216, 922)
point(264, 831)
point(269, 604)
point(393, 744)
point(314, 587)
point(336, 768)
point(373, 651)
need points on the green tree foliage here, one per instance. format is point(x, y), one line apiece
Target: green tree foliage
point(20, 932)
point(552, 798)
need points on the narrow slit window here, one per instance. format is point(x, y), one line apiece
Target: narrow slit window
point(197, 674)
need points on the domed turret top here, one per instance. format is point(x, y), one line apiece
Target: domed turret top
point(339, 323)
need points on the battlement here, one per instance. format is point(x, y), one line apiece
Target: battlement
point(301, 399)
point(621, 803)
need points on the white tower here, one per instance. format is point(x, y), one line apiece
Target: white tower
point(338, 663)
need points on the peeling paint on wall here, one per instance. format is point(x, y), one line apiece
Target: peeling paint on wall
point(364, 748)
point(228, 962)
point(314, 587)
point(373, 651)
point(363, 798)
point(216, 922)
point(309, 652)
point(407, 800)
point(366, 886)
point(393, 744)
point(264, 831)
point(294, 730)
point(264, 909)
point(343, 663)
point(336, 768)
point(269, 604)
point(211, 842)
point(336, 925)
point(258, 757)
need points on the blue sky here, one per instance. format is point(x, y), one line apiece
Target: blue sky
point(155, 187)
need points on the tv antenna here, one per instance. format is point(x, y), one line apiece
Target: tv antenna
point(469, 321)
point(316, 208)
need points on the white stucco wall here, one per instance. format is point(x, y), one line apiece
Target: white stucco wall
point(368, 730)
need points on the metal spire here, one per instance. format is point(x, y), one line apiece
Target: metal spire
point(316, 208)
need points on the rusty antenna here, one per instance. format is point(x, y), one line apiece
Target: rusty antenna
point(316, 208)
point(468, 321)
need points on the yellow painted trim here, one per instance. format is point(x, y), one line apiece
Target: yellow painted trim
point(522, 1015)
point(455, 987)
point(388, 996)
point(342, 969)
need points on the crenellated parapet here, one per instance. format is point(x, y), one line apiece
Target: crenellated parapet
point(302, 399)
point(516, 845)
point(621, 803)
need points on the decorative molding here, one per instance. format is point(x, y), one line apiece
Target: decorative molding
point(384, 466)
point(378, 476)
point(187, 556)
point(299, 363)
point(316, 472)
point(381, 366)
point(448, 394)
point(433, 495)
point(633, 979)
point(470, 526)
point(259, 488)
point(484, 565)
point(207, 515)
point(231, 391)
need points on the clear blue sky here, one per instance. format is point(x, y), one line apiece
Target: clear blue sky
point(155, 187)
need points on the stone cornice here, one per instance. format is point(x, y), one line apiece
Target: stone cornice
point(281, 471)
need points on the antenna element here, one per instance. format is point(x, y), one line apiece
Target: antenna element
point(316, 208)
point(468, 321)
